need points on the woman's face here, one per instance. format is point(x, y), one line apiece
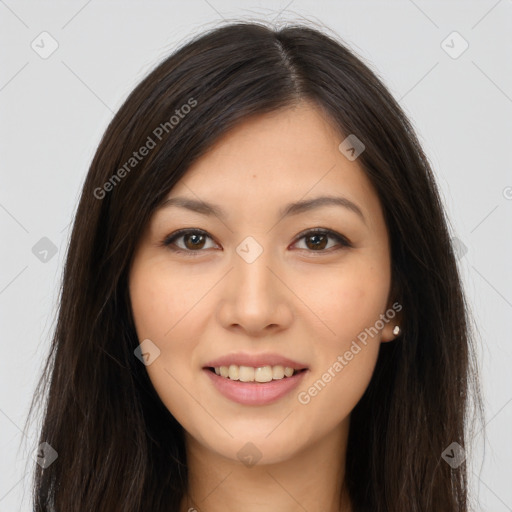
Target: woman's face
point(251, 289)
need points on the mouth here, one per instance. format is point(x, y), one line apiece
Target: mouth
point(261, 374)
point(256, 380)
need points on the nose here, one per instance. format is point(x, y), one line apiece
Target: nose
point(255, 298)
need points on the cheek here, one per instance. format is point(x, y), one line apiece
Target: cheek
point(350, 300)
point(330, 395)
point(160, 301)
point(350, 307)
point(167, 310)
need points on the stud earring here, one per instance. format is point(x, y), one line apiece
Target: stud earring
point(396, 330)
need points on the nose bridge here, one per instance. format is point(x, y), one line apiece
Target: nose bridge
point(253, 295)
point(252, 272)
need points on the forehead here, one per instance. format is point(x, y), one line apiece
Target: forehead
point(272, 159)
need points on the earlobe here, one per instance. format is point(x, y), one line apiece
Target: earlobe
point(393, 329)
point(391, 332)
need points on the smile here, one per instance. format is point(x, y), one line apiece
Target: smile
point(252, 392)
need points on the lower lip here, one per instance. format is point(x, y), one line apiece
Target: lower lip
point(255, 393)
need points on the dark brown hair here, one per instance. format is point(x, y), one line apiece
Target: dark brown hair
point(119, 448)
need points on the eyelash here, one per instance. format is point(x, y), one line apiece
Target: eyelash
point(170, 239)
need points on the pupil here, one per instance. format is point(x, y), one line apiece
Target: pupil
point(194, 238)
point(317, 244)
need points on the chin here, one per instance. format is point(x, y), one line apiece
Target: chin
point(264, 441)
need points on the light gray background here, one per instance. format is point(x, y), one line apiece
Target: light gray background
point(53, 112)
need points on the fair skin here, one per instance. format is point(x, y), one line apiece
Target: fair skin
point(306, 298)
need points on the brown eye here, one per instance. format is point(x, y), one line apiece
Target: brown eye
point(317, 240)
point(192, 241)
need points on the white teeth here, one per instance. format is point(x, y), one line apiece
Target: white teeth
point(288, 372)
point(246, 374)
point(233, 372)
point(263, 374)
point(250, 374)
point(277, 372)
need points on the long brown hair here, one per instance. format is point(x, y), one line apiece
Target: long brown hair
point(119, 448)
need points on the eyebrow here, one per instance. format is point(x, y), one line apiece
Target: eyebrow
point(290, 209)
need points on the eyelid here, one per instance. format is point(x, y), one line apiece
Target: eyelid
point(343, 241)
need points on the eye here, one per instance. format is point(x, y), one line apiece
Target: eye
point(316, 239)
point(194, 240)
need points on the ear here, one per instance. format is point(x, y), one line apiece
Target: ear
point(387, 332)
point(395, 316)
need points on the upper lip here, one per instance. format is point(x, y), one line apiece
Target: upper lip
point(255, 361)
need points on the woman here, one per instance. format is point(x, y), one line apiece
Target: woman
point(261, 308)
